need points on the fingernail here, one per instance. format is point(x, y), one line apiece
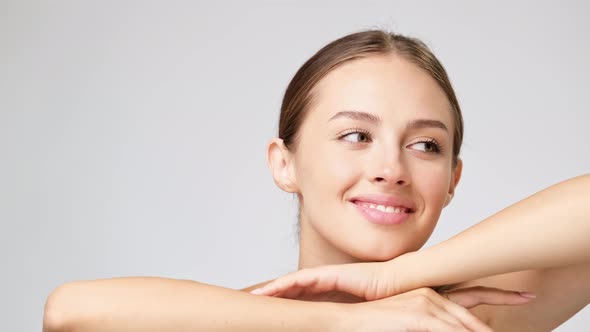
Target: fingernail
point(527, 295)
point(257, 291)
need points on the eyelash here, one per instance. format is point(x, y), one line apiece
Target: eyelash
point(438, 148)
point(355, 131)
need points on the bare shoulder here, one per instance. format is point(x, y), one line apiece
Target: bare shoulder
point(561, 293)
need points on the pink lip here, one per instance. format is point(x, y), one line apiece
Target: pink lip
point(386, 200)
point(384, 218)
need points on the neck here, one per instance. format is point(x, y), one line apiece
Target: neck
point(316, 250)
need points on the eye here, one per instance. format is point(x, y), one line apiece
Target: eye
point(428, 146)
point(356, 136)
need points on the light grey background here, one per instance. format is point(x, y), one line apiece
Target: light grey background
point(133, 134)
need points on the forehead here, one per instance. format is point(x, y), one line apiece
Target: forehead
point(387, 85)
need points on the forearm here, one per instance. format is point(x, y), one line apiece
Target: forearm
point(548, 229)
point(159, 304)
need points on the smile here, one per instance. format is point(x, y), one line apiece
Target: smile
point(386, 215)
point(383, 208)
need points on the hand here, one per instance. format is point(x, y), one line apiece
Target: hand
point(419, 310)
point(371, 281)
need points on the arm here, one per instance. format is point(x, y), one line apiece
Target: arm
point(545, 234)
point(544, 238)
point(561, 293)
point(549, 229)
point(160, 304)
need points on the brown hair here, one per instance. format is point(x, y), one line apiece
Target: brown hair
point(300, 92)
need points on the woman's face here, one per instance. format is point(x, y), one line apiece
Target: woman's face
point(373, 164)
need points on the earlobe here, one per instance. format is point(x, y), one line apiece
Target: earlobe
point(279, 161)
point(457, 172)
point(456, 176)
point(448, 199)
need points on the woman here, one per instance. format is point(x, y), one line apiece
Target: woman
point(369, 140)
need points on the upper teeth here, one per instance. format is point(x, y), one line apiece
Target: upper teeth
point(383, 208)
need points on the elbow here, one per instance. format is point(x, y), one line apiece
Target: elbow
point(58, 312)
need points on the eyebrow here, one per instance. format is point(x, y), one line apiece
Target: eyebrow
point(425, 123)
point(375, 119)
point(357, 115)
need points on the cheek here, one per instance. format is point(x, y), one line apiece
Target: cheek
point(433, 185)
point(323, 169)
point(341, 167)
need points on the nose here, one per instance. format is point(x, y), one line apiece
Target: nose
point(389, 168)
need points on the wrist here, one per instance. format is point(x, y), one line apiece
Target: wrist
point(409, 272)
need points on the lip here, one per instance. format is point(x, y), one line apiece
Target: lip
point(380, 217)
point(387, 200)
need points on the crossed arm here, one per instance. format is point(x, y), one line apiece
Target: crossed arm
point(540, 245)
point(555, 255)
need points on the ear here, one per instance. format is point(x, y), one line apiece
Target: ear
point(455, 177)
point(280, 161)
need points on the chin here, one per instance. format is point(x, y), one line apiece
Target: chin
point(368, 254)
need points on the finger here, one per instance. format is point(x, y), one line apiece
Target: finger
point(316, 280)
point(290, 293)
point(468, 319)
point(299, 279)
point(443, 314)
point(276, 286)
point(439, 306)
point(474, 296)
point(355, 279)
